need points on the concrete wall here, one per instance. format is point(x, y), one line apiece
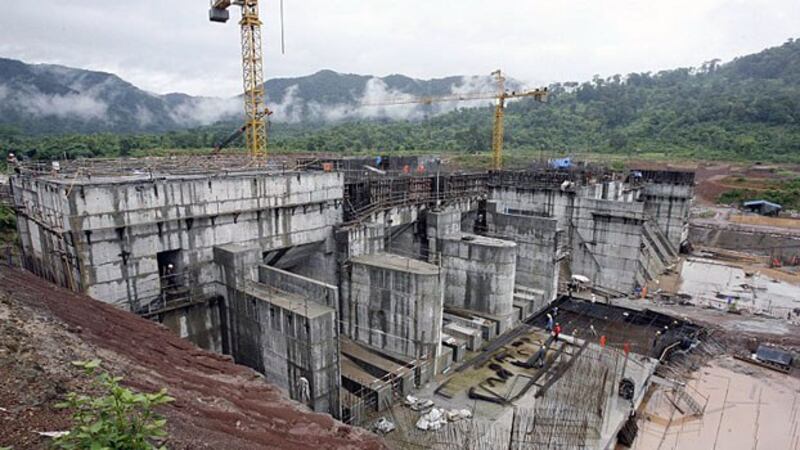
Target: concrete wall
point(669, 205)
point(113, 228)
point(285, 344)
point(538, 251)
point(479, 275)
point(607, 242)
point(545, 202)
point(395, 304)
point(409, 239)
point(604, 227)
point(743, 239)
point(317, 291)
point(47, 248)
point(360, 240)
point(439, 225)
point(284, 336)
point(200, 323)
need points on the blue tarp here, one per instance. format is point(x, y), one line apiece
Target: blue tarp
point(561, 163)
point(774, 355)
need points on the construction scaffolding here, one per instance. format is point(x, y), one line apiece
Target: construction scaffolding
point(363, 405)
point(152, 165)
point(570, 411)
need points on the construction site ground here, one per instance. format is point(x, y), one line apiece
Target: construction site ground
point(747, 323)
point(732, 218)
point(748, 406)
point(218, 404)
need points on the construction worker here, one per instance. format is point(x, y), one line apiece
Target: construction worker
point(169, 276)
point(11, 162)
point(656, 338)
point(550, 322)
point(556, 330)
point(540, 356)
point(303, 389)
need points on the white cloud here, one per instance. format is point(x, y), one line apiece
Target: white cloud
point(80, 106)
point(144, 116)
point(380, 101)
point(290, 109)
point(171, 46)
point(206, 110)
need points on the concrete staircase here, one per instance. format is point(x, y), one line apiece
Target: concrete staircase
point(529, 300)
point(660, 241)
point(657, 245)
point(678, 395)
point(685, 402)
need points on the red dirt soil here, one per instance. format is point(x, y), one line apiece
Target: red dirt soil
point(714, 178)
point(219, 404)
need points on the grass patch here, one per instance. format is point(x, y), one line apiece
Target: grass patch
point(786, 193)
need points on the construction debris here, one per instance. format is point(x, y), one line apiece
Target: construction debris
point(433, 420)
point(417, 404)
point(383, 426)
point(454, 415)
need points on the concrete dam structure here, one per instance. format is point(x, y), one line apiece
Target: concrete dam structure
point(346, 287)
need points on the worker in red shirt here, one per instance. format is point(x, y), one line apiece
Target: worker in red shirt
point(557, 330)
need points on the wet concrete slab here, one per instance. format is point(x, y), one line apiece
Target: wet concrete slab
point(748, 408)
point(720, 285)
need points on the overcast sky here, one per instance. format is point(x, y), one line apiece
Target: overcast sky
point(170, 46)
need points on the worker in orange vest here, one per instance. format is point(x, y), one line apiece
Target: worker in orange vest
point(557, 330)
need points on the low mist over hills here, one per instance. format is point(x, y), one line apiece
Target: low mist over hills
point(748, 108)
point(42, 98)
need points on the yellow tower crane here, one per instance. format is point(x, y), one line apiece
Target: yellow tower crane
point(500, 98)
point(255, 109)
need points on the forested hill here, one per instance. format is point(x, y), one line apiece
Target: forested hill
point(49, 99)
point(748, 108)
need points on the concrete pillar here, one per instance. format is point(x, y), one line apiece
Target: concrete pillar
point(479, 275)
point(441, 224)
point(395, 304)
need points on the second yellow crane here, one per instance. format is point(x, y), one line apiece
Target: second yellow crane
point(498, 126)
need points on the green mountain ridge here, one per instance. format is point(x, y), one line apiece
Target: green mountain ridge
point(52, 99)
point(748, 108)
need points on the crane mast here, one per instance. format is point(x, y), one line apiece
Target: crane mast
point(499, 123)
point(255, 108)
